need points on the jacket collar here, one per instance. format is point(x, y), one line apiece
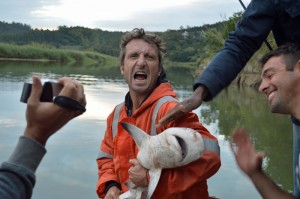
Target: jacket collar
point(161, 90)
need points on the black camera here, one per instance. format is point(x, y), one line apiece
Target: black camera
point(50, 90)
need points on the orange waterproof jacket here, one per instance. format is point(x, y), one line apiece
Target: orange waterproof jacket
point(188, 181)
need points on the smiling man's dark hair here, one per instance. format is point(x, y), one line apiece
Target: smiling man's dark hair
point(290, 53)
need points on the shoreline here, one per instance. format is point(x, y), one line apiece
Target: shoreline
point(24, 59)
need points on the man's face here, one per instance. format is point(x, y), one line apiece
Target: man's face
point(279, 85)
point(140, 67)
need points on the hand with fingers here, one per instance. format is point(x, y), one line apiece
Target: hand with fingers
point(138, 174)
point(246, 157)
point(45, 118)
point(184, 107)
point(113, 193)
point(250, 162)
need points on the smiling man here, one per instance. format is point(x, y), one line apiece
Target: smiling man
point(281, 79)
point(150, 96)
point(281, 85)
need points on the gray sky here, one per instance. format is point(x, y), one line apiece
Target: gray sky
point(122, 15)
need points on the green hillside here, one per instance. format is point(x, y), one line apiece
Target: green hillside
point(191, 47)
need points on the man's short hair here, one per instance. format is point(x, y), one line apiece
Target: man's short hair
point(139, 33)
point(290, 53)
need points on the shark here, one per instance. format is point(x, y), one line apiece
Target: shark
point(174, 147)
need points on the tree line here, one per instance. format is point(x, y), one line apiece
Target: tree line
point(183, 45)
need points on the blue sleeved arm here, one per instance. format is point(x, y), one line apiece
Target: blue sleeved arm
point(241, 44)
point(17, 175)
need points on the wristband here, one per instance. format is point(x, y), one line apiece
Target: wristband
point(68, 103)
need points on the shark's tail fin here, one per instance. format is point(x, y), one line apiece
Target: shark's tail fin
point(154, 178)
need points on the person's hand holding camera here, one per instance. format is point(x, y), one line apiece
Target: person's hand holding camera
point(45, 118)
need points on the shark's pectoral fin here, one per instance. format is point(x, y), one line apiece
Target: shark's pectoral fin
point(154, 178)
point(137, 134)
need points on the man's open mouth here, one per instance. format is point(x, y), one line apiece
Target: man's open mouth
point(140, 75)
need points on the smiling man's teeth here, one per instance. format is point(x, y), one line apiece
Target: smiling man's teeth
point(270, 96)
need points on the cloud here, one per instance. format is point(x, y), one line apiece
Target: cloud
point(195, 13)
point(155, 15)
point(19, 9)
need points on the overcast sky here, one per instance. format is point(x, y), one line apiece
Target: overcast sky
point(121, 15)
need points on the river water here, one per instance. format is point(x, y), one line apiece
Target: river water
point(69, 169)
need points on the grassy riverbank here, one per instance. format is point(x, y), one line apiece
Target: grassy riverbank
point(48, 53)
point(40, 52)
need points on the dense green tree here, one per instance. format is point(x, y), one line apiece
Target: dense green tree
point(186, 45)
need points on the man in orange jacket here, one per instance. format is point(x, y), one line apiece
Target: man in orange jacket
point(149, 98)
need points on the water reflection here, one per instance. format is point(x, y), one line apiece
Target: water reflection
point(69, 168)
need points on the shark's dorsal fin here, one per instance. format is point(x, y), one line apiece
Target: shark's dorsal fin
point(137, 134)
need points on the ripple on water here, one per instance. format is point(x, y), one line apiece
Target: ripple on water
point(7, 122)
